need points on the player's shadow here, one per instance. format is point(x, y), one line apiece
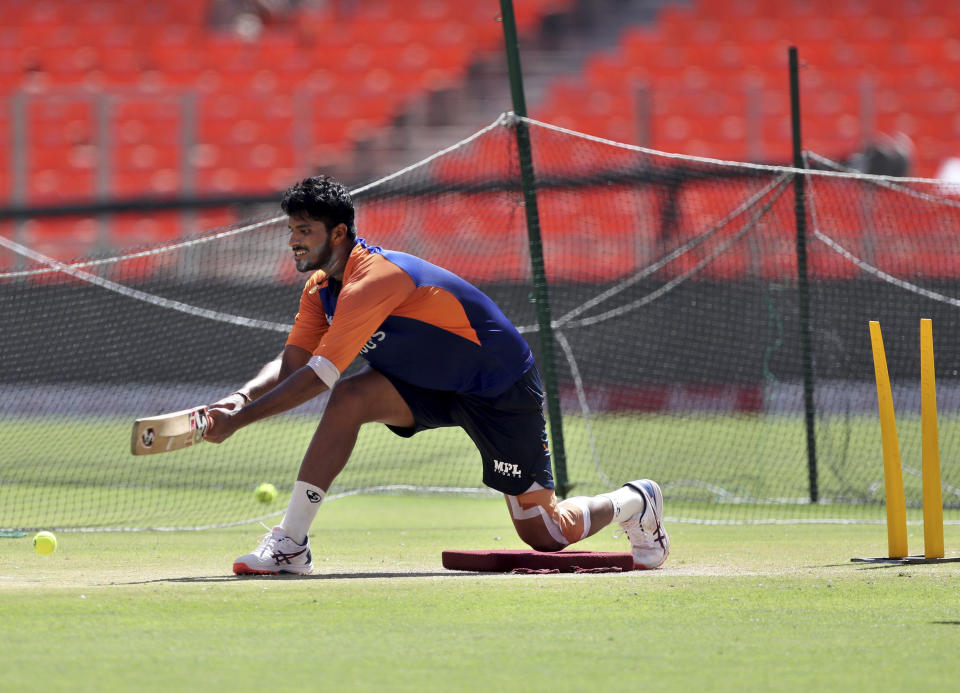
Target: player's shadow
point(315, 576)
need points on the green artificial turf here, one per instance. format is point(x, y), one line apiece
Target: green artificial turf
point(761, 607)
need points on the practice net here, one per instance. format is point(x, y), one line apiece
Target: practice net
point(674, 296)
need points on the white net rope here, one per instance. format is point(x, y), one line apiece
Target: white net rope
point(715, 240)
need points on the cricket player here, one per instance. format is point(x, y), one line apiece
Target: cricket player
point(438, 353)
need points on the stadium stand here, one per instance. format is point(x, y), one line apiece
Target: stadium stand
point(121, 100)
point(695, 63)
point(146, 65)
point(878, 66)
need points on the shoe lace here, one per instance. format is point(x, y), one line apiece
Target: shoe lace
point(267, 541)
point(629, 528)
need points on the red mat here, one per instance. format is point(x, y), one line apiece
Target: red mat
point(536, 561)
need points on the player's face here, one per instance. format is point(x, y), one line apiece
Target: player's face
point(310, 243)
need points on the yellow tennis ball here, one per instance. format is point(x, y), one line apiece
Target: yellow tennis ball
point(266, 493)
point(44, 543)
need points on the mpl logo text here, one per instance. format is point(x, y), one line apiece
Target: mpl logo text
point(506, 468)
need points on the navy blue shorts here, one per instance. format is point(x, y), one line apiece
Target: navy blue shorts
point(509, 430)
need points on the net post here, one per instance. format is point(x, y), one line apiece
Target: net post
point(803, 284)
point(540, 289)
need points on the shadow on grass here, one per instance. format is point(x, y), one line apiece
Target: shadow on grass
point(315, 576)
point(909, 562)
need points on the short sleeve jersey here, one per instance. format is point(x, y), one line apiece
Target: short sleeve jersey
point(413, 320)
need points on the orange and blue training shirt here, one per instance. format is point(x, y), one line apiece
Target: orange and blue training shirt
point(410, 319)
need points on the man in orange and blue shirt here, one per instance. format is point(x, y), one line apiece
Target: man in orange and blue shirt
point(439, 353)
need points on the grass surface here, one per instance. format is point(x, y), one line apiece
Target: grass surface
point(735, 608)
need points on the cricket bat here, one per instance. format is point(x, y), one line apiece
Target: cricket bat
point(174, 431)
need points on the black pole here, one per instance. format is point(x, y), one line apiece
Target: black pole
point(803, 283)
point(540, 291)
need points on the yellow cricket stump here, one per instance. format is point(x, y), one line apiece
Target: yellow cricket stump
point(930, 470)
point(930, 444)
point(893, 478)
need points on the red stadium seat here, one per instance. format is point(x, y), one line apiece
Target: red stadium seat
point(211, 218)
point(364, 64)
point(823, 262)
point(390, 223)
point(154, 121)
point(51, 185)
point(62, 238)
point(8, 259)
point(702, 209)
point(684, 47)
point(479, 236)
point(908, 260)
point(585, 237)
point(151, 182)
point(145, 157)
point(135, 230)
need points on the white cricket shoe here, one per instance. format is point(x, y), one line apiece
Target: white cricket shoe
point(277, 553)
point(648, 539)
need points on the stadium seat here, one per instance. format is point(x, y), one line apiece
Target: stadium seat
point(390, 223)
point(50, 185)
point(62, 238)
point(231, 55)
point(740, 46)
point(217, 181)
point(335, 133)
point(145, 157)
point(825, 263)
point(210, 218)
point(836, 207)
point(145, 183)
point(389, 49)
point(770, 29)
point(480, 236)
point(120, 67)
point(612, 225)
point(909, 261)
point(137, 230)
point(265, 180)
point(490, 157)
point(8, 259)
point(6, 180)
point(154, 121)
point(702, 211)
point(613, 71)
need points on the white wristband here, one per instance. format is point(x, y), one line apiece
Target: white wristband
point(325, 370)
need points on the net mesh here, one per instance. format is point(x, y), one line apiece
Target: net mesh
point(674, 297)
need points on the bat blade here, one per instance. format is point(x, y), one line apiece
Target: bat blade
point(167, 432)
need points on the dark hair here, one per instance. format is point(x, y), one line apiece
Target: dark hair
point(321, 198)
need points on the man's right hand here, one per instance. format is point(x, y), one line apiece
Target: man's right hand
point(221, 424)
